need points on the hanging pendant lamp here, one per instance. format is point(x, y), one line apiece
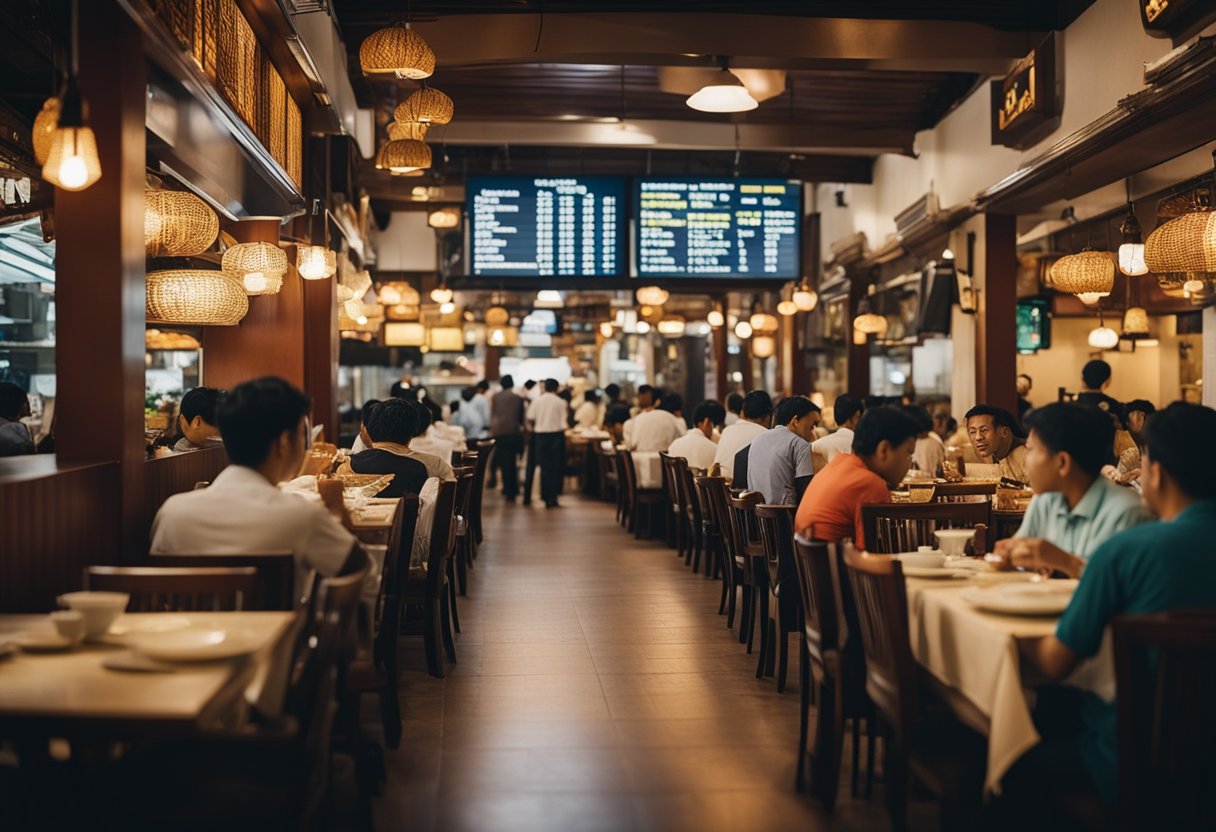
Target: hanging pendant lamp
point(1184, 244)
point(44, 128)
point(1103, 337)
point(195, 296)
point(1089, 274)
point(426, 105)
point(72, 162)
point(261, 267)
point(402, 130)
point(652, 296)
point(725, 95)
point(177, 224)
point(404, 156)
point(398, 51)
point(805, 297)
point(315, 262)
point(1131, 251)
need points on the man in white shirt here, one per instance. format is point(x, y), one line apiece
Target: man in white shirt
point(655, 430)
point(698, 445)
point(757, 413)
point(548, 418)
point(436, 465)
point(930, 450)
point(265, 430)
point(588, 413)
point(481, 405)
point(734, 405)
point(847, 412)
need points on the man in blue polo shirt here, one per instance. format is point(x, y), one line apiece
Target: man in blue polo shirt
point(1155, 567)
point(1075, 509)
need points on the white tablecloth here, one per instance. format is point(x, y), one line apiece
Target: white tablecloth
point(976, 653)
point(649, 468)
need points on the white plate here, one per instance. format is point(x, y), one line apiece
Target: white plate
point(935, 572)
point(1043, 598)
point(195, 644)
point(43, 642)
point(161, 623)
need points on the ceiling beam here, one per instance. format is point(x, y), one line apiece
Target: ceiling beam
point(760, 41)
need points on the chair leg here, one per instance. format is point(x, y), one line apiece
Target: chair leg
point(895, 778)
point(856, 755)
point(783, 657)
point(745, 616)
point(766, 642)
point(430, 634)
point(452, 604)
point(722, 602)
point(729, 594)
point(804, 706)
point(390, 716)
point(449, 645)
point(461, 559)
point(825, 760)
point(871, 732)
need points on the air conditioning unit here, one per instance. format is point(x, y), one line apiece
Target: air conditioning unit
point(923, 210)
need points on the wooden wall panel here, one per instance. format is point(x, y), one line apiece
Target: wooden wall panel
point(174, 474)
point(54, 521)
point(321, 353)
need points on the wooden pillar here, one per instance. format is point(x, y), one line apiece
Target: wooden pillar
point(494, 356)
point(858, 354)
point(996, 324)
point(321, 345)
point(100, 273)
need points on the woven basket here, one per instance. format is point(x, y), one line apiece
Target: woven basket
point(425, 106)
point(248, 260)
point(397, 51)
point(405, 155)
point(316, 262)
point(1135, 321)
point(1088, 272)
point(195, 296)
point(1185, 244)
point(44, 126)
point(177, 224)
point(399, 131)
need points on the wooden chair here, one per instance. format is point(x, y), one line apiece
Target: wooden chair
point(930, 744)
point(691, 512)
point(651, 499)
point(945, 492)
point(901, 527)
point(776, 524)
point(677, 519)
point(837, 667)
point(276, 574)
point(485, 458)
point(1165, 674)
point(721, 540)
point(755, 574)
point(466, 542)
point(427, 589)
point(180, 589)
point(624, 506)
point(378, 672)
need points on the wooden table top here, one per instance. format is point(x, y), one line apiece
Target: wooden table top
point(72, 690)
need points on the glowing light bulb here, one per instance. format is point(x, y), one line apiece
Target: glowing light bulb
point(743, 330)
point(643, 328)
point(361, 320)
point(715, 318)
point(254, 282)
point(447, 308)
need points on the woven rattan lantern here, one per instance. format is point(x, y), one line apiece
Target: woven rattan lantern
point(805, 297)
point(398, 51)
point(177, 224)
point(404, 156)
point(652, 296)
point(195, 296)
point(1185, 244)
point(261, 267)
point(1089, 274)
point(671, 326)
point(497, 316)
point(44, 127)
point(400, 131)
point(315, 262)
point(787, 308)
point(764, 346)
point(764, 323)
point(1135, 322)
point(425, 106)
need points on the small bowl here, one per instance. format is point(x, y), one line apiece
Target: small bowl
point(99, 609)
point(69, 624)
point(954, 541)
point(922, 560)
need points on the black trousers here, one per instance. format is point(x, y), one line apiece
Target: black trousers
point(551, 455)
point(506, 460)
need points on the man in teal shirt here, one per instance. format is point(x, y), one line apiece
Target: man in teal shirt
point(1155, 567)
point(1075, 509)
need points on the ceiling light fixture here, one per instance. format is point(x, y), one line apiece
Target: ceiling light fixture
point(642, 328)
point(805, 297)
point(425, 106)
point(743, 330)
point(441, 294)
point(1131, 252)
point(315, 262)
point(549, 299)
point(1089, 274)
point(652, 296)
point(726, 95)
point(398, 51)
point(72, 162)
point(715, 318)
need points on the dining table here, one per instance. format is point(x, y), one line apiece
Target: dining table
point(104, 690)
point(974, 662)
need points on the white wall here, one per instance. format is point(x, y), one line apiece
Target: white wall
point(406, 245)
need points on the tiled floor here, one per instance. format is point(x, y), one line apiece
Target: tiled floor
point(597, 689)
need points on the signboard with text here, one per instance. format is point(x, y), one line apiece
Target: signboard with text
point(1025, 99)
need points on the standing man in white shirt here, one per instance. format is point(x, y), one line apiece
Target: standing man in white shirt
point(698, 445)
point(757, 414)
point(548, 417)
point(847, 412)
point(481, 404)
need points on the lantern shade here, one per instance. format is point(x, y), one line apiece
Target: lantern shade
point(1135, 322)
point(1103, 338)
point(860, 337)
point(442, 294)
point(715, 318)
point(261, 267)
point(398, 51)
point(402, 130)
point(671, 326)
point(869, 323)
point(764, 346)
point(652, 296)
point(764, 323)
point(72, 162)
point(404, 334)
point(177, 224)
point(1184, 244)
point(743, 330)
point(787, 308)
point(1131, 259)
point(315, 262)
point(497, 316)
point(404, 155)
point(444, 218)
point(425, 106)
point(805, 297)
point(1085, 273)
point(606, 329)
point(44, 127)
point(446, 339)
point(195, 296)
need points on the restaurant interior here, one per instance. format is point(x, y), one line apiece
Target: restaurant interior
point(354, 292)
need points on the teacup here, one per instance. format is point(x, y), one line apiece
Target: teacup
point(98, 609)
point(69, 624)
point(922, 560)
point(954, 541)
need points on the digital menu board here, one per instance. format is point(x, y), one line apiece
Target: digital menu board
point(711, 228)
point(546, 226)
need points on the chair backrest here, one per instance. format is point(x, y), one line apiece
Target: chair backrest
point(1165, 673)
point(276, 574)
point(882, 614)
point(178, 589)
point(901, 527)
point(776, 524)
point(394, 574)
point(687, 490)
point(670, 478)
point(443, 530)
point(716, 498)
point(743, 518)
point(954, 491)
point(816, 585)
point(485, 456)
point(464, 489)
point(627, 474)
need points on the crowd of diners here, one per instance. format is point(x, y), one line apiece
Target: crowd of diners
point(1124, 497)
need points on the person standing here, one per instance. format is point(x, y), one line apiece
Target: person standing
point(588, 413)
point(1095, 378)
point(481, 405)
point(507, 424)
point(548, 415)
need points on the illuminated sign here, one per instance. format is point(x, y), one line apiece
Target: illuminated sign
point(1177, 19)
point(1025, 99)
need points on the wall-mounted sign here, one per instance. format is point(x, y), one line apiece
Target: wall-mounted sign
point(1025, 99)
point(1177, 19)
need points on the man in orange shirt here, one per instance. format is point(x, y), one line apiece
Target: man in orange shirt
point(882, 452)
